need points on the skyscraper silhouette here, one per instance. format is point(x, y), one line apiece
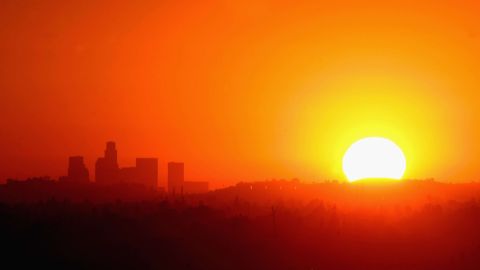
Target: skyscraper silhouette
point(106, 168)
point(147, 171)
point(77, 171)
point(175, 177)
point(111, 153)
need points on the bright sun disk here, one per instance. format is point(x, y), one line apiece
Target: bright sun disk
point(374, 157)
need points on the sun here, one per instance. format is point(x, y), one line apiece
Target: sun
point(374, 158)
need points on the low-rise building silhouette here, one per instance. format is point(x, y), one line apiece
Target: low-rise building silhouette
point(127, 174)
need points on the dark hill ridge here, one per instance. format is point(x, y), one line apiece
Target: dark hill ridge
point(362, 193)
point(365, 193)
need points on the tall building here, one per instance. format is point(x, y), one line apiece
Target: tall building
point(147, 171)
point(77, 171)
point(175, 177)
point(106, 168)
point(111, 153)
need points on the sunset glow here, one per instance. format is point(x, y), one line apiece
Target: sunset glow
point(240, 134)
point(260, 89)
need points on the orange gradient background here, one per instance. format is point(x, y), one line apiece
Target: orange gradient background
point(240, 90)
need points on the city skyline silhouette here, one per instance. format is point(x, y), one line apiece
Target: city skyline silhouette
point(240, 91)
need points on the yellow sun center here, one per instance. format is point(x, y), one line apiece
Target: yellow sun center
point(374, 157)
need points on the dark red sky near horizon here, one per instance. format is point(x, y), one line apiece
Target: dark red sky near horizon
point(239, 90)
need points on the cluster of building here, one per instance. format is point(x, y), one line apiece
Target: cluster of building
point(145, 172)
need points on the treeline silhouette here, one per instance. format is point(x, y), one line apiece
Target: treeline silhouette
point(267, 225)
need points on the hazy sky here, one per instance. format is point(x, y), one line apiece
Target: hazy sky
point(239, 90)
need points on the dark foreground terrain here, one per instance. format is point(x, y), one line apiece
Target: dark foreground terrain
point(215, 232)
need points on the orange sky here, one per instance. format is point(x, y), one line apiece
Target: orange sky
point(240, 90)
